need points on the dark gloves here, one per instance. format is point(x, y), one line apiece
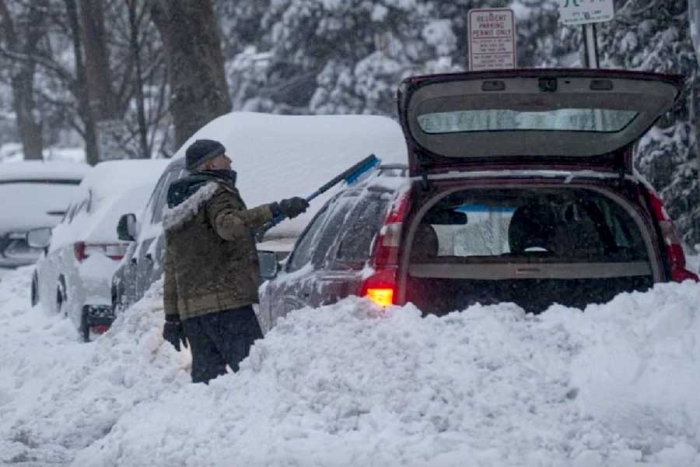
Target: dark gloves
point(173, 331)
point(291, 207)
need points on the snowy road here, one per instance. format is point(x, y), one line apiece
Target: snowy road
point(615, 386)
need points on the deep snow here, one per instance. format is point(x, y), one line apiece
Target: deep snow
point(349, 384)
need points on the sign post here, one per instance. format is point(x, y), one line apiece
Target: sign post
point(492, 39)
point(587, 13)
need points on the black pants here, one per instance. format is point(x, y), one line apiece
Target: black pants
point(221, 338)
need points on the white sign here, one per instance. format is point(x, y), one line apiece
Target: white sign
point(491, 39)
point(574, 12)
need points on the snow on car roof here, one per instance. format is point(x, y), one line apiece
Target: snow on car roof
point(40, 170)
point(279, 156)
point(109, 190)
point(116, 176)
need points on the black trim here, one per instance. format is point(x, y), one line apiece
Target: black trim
point(40, 181)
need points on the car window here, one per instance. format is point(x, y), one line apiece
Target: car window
point(301, 256)
point(159, 197)
point(80, 207)
point(362, 227)
point(564, 226)
point(331, 230)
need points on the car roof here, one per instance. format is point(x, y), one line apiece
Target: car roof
point(113, 177)
point(42, 171)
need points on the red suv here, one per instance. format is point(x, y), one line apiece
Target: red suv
point(519, 188)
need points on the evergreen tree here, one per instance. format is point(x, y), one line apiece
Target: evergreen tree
point(655, 36)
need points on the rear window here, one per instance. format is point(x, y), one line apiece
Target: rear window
point(591, 120)
point(362, 227)
point(506, 225)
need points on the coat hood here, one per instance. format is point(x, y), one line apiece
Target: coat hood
point(186, 196)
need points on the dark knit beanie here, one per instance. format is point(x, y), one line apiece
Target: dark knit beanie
point(201, 151)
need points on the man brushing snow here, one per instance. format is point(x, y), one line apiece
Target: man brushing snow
point(211, 271)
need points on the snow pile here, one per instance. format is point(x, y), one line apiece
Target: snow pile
point(348, 384)
point(58, 395)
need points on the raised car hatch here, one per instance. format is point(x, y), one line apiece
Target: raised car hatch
point(583, 118)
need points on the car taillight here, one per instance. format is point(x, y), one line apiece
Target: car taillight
point(115, 251)
point(672, 240)
point(380, 287)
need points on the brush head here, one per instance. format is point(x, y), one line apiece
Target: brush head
point(369, 164)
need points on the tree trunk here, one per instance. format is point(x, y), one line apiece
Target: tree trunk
point(97, 72)
point(29, 127)
point(91, 150)
point(22, 81)
point(140, 100)
point(198, 88)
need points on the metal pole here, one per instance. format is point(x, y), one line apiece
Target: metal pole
point(590, 46)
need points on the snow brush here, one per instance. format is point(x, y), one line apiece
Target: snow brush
point(349, 176)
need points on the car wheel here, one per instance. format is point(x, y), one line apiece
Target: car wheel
point(61, 297)
point(35, 290)
point(117, 300)
point(84, 328)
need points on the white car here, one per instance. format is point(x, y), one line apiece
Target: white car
point(83, 250)
point(34, 194)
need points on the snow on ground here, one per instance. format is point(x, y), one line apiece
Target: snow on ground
point(350, 385)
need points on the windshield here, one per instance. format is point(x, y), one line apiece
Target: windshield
point(570, 119)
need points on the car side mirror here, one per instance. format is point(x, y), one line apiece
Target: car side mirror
point(269, 267)
point(39, 238)
point(127, 229)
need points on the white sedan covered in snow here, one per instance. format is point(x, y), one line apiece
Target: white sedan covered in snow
point(83, 250)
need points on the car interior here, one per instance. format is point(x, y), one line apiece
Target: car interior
point(533, 247)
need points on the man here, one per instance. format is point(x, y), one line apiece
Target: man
point(211, 266)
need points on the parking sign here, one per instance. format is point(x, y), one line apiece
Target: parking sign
point(575, 12)
point(491, 39)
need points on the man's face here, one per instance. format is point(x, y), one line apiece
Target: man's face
point(220, 163)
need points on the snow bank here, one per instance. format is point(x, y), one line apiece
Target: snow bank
point(350, 385)
point(57, 395)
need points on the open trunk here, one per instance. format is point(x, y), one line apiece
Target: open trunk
point(575, 119)
point(534, 246)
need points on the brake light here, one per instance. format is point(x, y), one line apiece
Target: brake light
point(672, 240)
point(380, 287)
point(115, 251)
point(387, 250)
point(382, 297)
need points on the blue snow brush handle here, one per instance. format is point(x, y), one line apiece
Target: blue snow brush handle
point(349, 176)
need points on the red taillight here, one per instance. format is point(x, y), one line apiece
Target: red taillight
point(380, 287)
point(113, 251)
point(672, 241)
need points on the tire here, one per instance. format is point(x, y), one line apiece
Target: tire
point(61, 296)
point(84, 328)
point(35, 290)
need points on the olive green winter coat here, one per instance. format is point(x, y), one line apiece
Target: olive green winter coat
point(211, 262)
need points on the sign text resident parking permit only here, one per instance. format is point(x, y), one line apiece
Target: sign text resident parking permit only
point(491, 39)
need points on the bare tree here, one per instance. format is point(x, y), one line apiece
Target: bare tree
point(135, 48)
point(198, 88)
point(21, 41)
